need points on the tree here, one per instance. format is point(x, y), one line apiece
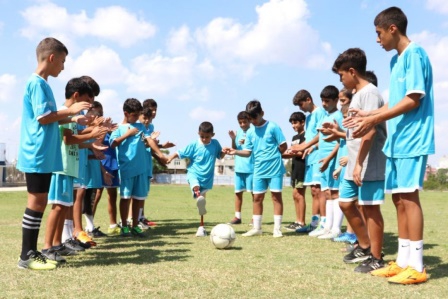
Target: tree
point(156, 166)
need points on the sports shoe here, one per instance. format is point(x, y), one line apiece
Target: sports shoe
point(83, 245)
point(328, 236)
point(292, 227)
point(235, 221)
point(346, 237)
point(277, 233)
point(409, 276)
point(201, 232)
point(125, 231)
point(137, 232)
point(390, 270)
point(72, 244)
point(306, 229)
point(318, 231)
point(150, 224)
point(35, 261)
point(357, 255)
point(53, 257)
point(200, 203)
point(113, 231)
point(196, 194)
point(142, 226)
point(83, 237)
point(96, 233)
point(370, 264)
point(253, 232)
point(62, 250)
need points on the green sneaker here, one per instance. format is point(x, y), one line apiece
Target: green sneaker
point(137, 232)
point(36, 261)
point(113, 231)
point(125, 232)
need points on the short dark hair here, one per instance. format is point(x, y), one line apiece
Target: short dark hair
point(297, 116)
point(77, 85)
point(147, 111)
point(392, 16)
point(253, 108)
point(329, 92)
point(97, 105)
point(301, 96)
point(351, 58)
point(93, 84)
point(206, 127)
point(132, 105)
point(49, 46)
point(347, 92)
point(243, 115)
point(371, 77)
point(150, 103)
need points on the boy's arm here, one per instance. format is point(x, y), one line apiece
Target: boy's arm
point(304, 145)
point(155, 149)
point(232, 151)
point(63, 114)
point(283, 147)
point(130, 132)
point(325, 161)
point(172, 157)
point(70, 138)
point(232, 136)
point(364, 148)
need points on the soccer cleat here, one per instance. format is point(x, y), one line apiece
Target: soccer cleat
point(409, 276)
point(137, 232)
point(96, 233)
point(370, 264)
point(62, 250)
point(328, 236)
point(235, 221)
point(113, 231)
point(357, 255)
point(390, 270)
point(200, 203)
point(292, 227)
point(318, 232)
point(73, 244)
point(253, 232)
point(36, 261)
point(142, 226)
point(306, 229)
point(346, 237)
point(196, 193)
point(53, 257)
point(84, 238)
point(201, 232)
point(125, 231)
point(150, 224)
point(277, 233)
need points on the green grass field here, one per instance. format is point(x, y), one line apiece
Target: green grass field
point(172, 263)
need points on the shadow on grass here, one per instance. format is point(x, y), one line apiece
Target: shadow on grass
point(436, 270)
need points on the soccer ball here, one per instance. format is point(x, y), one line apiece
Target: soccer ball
point(222, 236)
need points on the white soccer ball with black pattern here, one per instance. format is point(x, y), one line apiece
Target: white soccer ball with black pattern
point(222, 236)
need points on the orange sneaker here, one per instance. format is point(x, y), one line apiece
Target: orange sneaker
point(84, 238)
point(409, 276)
point(391, 270)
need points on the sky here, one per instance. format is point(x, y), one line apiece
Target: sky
point(204, 60)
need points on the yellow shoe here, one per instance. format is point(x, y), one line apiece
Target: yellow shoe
point(84, 238)
point(391, 270)
point(113, 231)
point(409, 276)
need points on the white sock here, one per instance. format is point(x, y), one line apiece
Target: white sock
point(238, 215)
point(113, 225)
point(404, 250)
point(89, 222)
point(416, 255)
point(329, 214)
point(278, 221)
point(323, 220)
point(257, 221)
point(67, 232)
point(338, 215)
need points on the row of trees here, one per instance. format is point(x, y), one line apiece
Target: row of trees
point(437, 181)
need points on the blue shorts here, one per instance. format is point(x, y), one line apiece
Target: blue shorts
point(93, 174)
point(405, 175)
point(61, 190)
point(312, 175)
point(261, 184)
point(327, 182)
point(193, 182)
point(244, 182)
point(370, 193)
point(115, 179)
point(135, 187)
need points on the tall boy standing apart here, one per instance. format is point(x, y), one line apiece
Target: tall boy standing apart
point(410, 116)
point(40, 146)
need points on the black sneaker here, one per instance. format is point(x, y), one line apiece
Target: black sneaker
point(235, 220)
point(293, 226)
point(357, 255)
point(53, 257)
point(96, 233)
point(370, 264)
point(64, 251)
point(72, 244)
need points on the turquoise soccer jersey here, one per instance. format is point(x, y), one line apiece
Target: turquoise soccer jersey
point(147, 132)
point(411, 134)
point(312, 123)
point(264, 141)
point(131, 153)
point(202, 160)
point(40, 145)
point(325, 147)
point(243, 164)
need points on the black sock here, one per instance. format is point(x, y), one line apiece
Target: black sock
point(30, 231)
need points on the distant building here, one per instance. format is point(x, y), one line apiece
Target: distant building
point(224, 166)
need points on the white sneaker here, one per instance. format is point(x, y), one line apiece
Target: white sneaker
point(253, 232)
point(318, 232)
point(201, 232)
point(277, 233)
point(328, 235)
point(200, 203)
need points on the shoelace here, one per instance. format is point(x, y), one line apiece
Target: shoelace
point(38, 257)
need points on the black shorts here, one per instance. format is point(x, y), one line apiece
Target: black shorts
point(38, 182)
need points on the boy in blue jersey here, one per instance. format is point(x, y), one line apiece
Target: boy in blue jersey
point(129, 141)
point(40, 145)
point(201, 170)
point(266, 143)
point(244, 167)
point(410, 116)
point(364, 176)
point(305, 102)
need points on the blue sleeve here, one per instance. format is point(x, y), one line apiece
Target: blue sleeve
point(415, 78)
point(187, 152)
point(218, 149)
point(279, 135)
point(42, 102)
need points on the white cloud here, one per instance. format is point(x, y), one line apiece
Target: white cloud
point(112, 104)
point(202, 114)
point(440, 6)
point(8, 84)
point(113, 23)
point(179, 41)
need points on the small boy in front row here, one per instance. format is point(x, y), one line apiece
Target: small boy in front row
point(266, 143)
point(201, 170)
